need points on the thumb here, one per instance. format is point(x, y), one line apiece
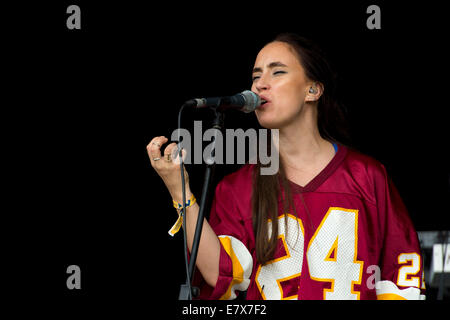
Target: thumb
point(176, 155)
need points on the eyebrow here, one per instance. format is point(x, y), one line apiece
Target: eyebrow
point(271, 65)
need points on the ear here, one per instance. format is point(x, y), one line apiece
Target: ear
point(314, 91)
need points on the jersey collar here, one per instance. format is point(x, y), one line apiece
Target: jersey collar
point(324, 174)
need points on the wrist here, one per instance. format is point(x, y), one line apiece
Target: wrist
point(188, 203)
point(179, 197)
point(179, 207)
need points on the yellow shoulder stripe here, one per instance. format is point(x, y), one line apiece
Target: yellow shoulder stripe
point(389, 296)
point(238, 271)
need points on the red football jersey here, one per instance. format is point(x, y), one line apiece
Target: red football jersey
point(357, 242)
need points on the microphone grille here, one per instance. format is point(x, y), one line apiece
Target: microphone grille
point(252, 101)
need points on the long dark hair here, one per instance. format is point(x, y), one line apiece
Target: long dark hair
point(268, 189)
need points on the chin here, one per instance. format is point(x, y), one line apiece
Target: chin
point(271, 119)
point(269, 123)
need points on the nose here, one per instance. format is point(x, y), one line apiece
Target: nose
point(262, 84)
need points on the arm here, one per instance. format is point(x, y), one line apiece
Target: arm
point(223, 258)
point(401, 259)
point(208, 249)
point(169, 171)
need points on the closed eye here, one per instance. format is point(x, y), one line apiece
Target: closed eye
point(254, 78)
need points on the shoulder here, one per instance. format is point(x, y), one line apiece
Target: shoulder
point(364, 175)
point(238, 181)
point(363, 164)
point(234, 192)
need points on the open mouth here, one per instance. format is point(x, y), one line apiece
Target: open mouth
point(263, 102)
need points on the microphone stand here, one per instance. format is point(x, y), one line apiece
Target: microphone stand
point(210, 166)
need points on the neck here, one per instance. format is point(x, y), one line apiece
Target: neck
point(300, 141)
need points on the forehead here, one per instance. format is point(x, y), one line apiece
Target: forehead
point(277, 51)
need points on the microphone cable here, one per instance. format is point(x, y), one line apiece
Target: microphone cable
point(183, 210)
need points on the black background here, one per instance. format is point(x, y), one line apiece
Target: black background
point(85, 103)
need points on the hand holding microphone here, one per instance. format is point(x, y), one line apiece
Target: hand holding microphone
point(246, 101)
point(167, 165)
point(169, 170)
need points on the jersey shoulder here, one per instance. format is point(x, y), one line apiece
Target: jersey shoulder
point(235, 189)
point(365, 167)
point(361, 175)
point(358, 160)
point(239, 180)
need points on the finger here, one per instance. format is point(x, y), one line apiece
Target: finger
point(154, 148)
point(175, 155)
point(170, 148)
point(171, 151)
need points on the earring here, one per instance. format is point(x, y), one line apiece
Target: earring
point(312, 90)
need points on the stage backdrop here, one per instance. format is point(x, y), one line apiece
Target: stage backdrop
point(89, 100)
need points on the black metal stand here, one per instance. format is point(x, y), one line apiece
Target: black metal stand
point(210, 165)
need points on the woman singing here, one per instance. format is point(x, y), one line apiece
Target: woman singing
point(328, 225)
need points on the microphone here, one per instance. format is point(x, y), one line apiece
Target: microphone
point(246, 101)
